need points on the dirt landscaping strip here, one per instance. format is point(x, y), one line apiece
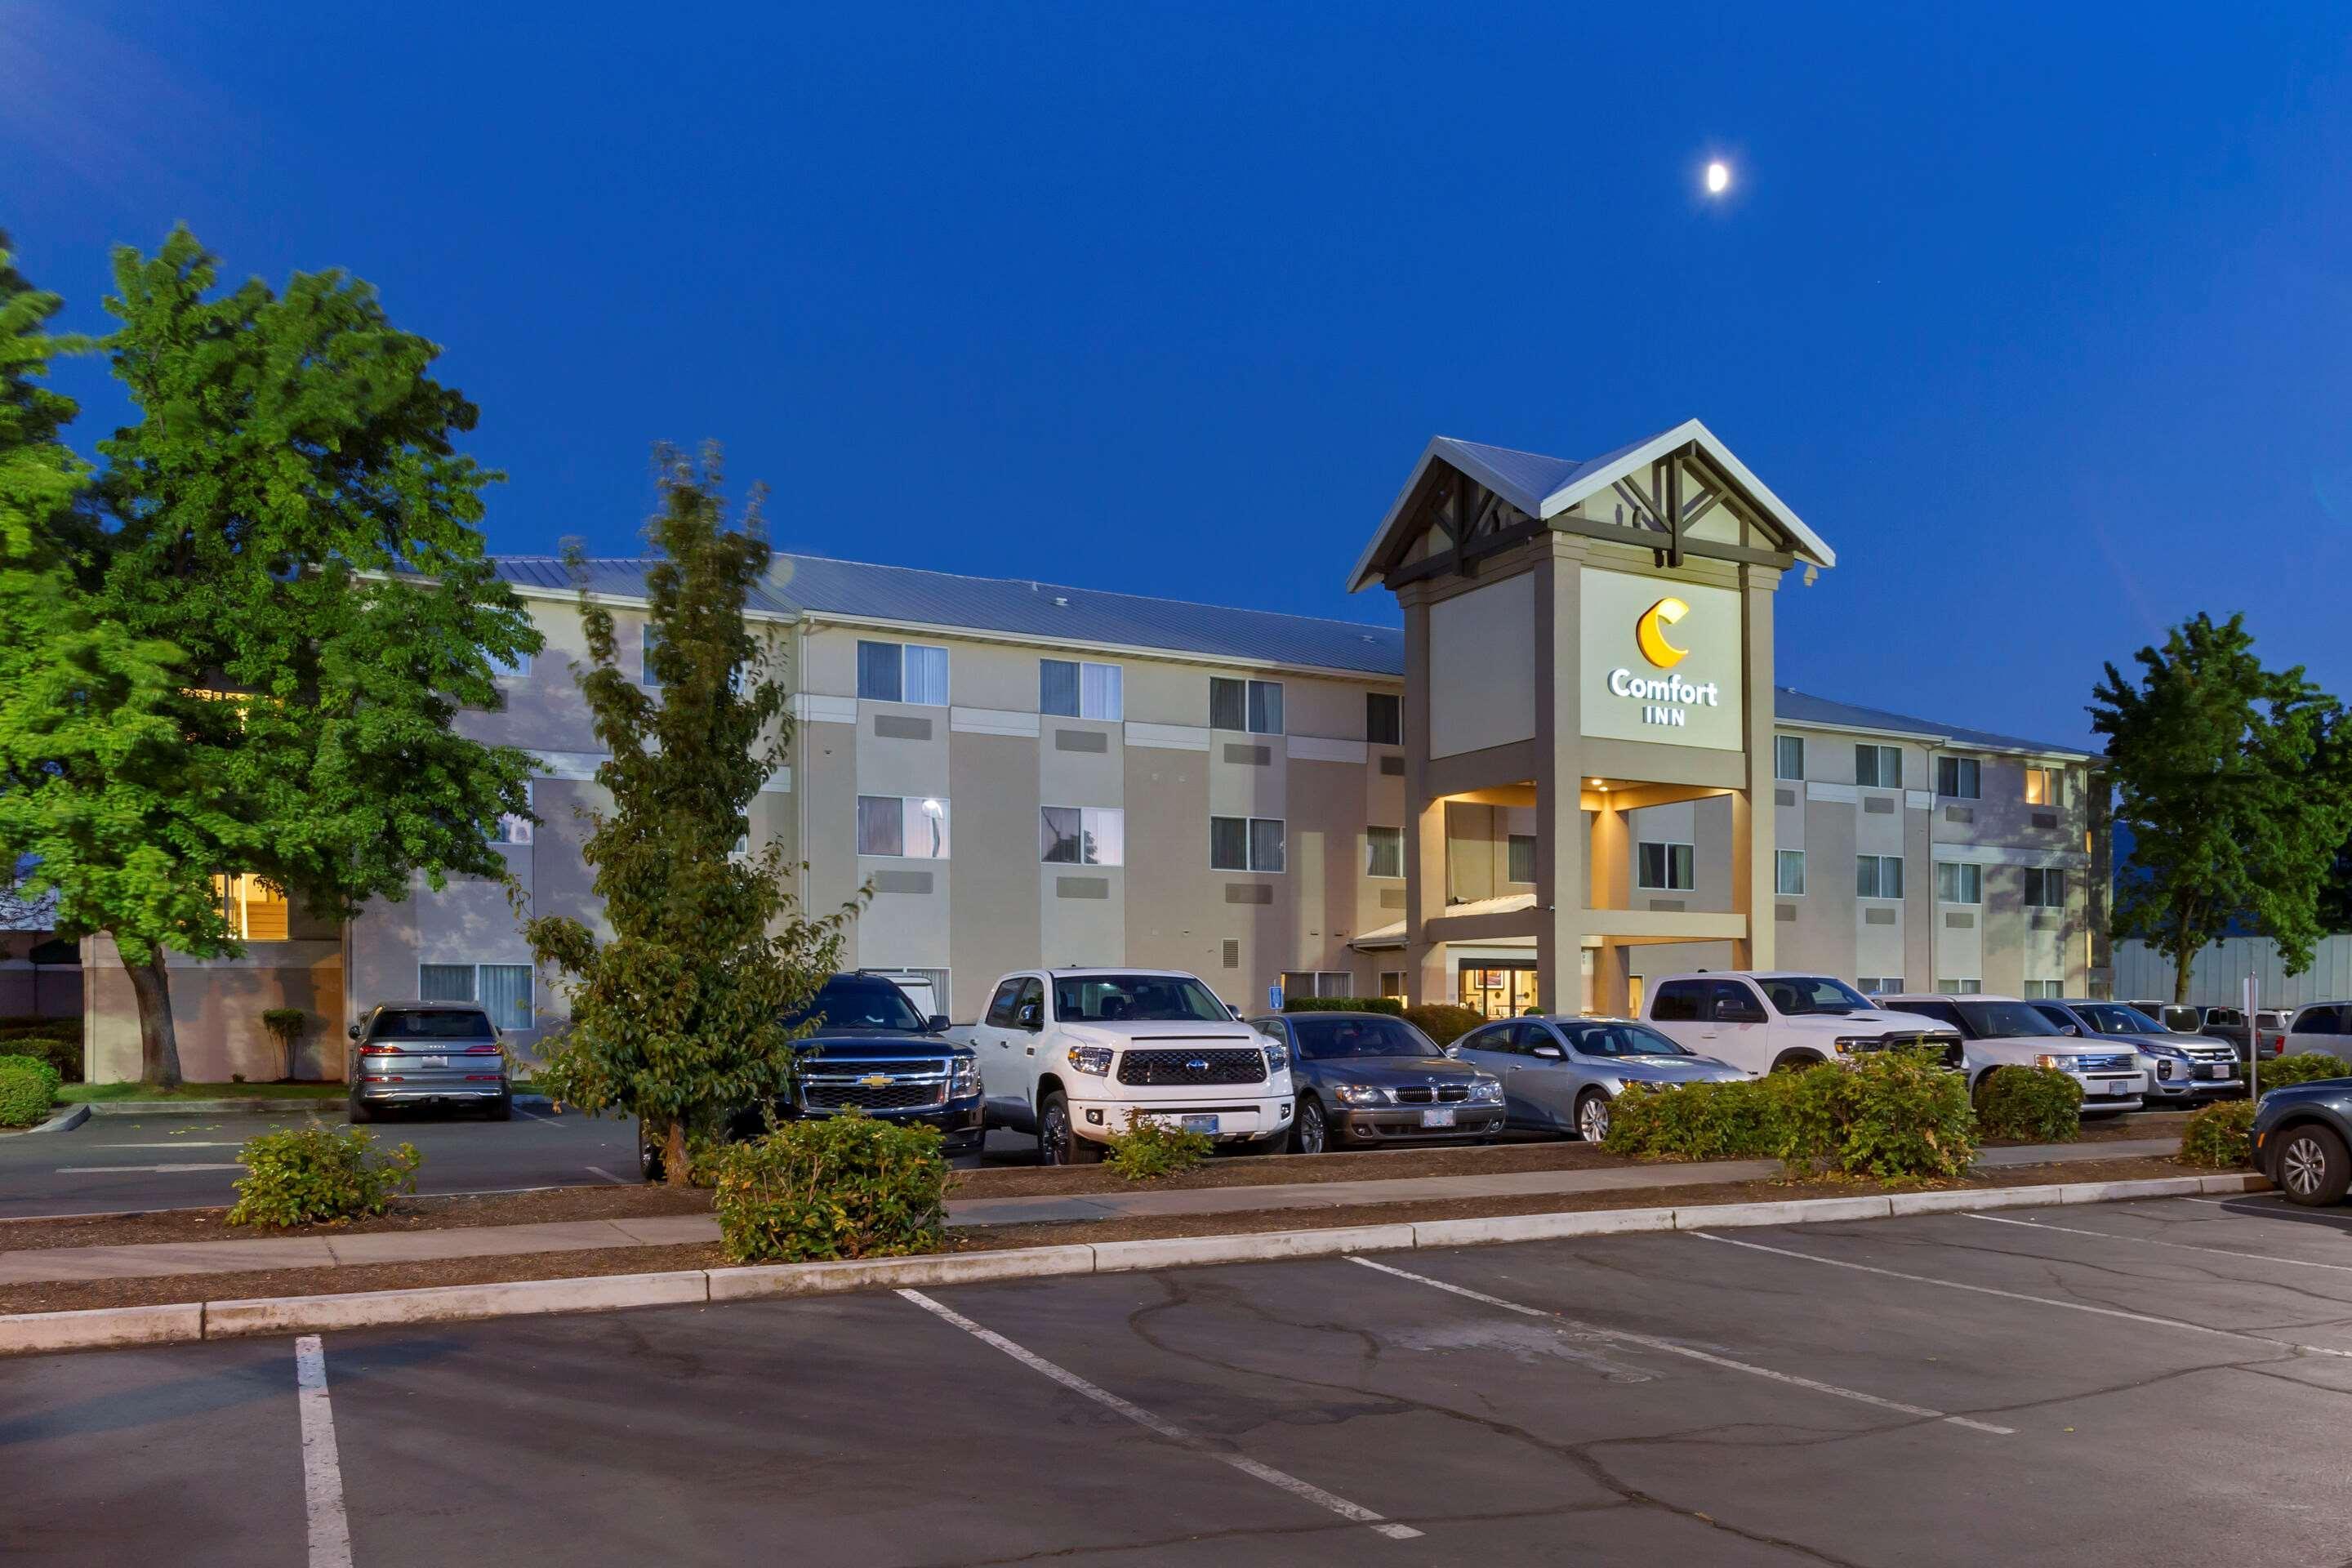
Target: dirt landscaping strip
point(81, 1295)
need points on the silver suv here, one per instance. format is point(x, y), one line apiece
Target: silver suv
point(427, 1053)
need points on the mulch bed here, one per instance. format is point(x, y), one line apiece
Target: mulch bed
point(65, 1295)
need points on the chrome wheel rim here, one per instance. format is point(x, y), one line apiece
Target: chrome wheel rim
point(2303, 1166)
point(1593, 1120)
point(1310, 1128)
point(1057, 1138)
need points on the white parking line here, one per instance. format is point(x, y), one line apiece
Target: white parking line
point(2178, 1245)
point(1167, 1429)
point(138, 1169)
point(2022, 1296)
point(600, 1171)
point(177, 1144)
point(1668, 1347)
point(322, 1473)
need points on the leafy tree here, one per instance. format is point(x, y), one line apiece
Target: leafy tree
point(677, 1016)
point(286, 546)
point(2233, 781)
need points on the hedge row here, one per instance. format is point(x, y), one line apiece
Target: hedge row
point(2222, 1136)
point(1890, 1114)
point(830, 1187)
point(2040, 1103)
point(1444, 1021)
point(2308, 1068)
point(1388, 1005)
point(57, 1041)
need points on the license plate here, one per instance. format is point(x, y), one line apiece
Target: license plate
point(2213, 1072)
point(2123, 1086)
point(1438, 1117)
point(437, 1061)
point(1199, 1124)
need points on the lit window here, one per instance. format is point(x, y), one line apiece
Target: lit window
point(1246, 843)
point(2043, 786)
point(1665, 868)
point(1070, 690)
point(255, 910)
point(914, 827)
point(1081, 836)
point(1384, 851)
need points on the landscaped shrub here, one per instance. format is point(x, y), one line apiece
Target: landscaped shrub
point(2221, 1136)
point(28, 1090)
point(1888, 1113)
point(1900, 1113)
point(1151, 1148)
point(2041, 1103)
point(2307, 1068)
point(1700, 1120)
point(316, 1175)
point(1388, 1005)
point(57, 1041)
point(840, 1186)
point(286, 1025)
point(1442, 1021)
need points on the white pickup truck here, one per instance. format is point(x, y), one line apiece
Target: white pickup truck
point(1762, 1023)
point(1073, 1054)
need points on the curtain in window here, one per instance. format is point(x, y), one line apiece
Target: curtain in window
point(1265, 844)
point(1057, 687)
point(506, 995)
point(1383, 719)
point(1266, 706)
point(445, 982)
point(1104, 695)
point(1384, 851)
point(1228, 705)
point(926, 830)
point(927, 675)
point(1228, 844)
point(881, 825)
point(1057, 835)
point(878, 671)
point(1522, 857)
point(1106, 837)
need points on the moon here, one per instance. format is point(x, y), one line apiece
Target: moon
point(1718, 178)
point(1653, 644)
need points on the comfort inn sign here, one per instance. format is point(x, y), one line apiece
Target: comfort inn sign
point(1661, 661)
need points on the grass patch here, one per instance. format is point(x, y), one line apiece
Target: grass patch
point(95, 1093)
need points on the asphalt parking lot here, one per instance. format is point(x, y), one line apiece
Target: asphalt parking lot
point(2155, 1382)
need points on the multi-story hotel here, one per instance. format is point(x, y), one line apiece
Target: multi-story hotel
point(1570, 772)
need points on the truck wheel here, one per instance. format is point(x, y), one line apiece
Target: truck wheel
point(1796, 1061)
point(1982, 1090)
point(649, 1161)
point(1593, 1116)
point(362, 1111)
point(2312, 1166)
point(1311, 1133)
point(1059, 1143)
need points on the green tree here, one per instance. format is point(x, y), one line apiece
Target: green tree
point(2234, 783)
point(678, 1017)
point(286, 550)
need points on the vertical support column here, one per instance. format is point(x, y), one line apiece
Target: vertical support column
point(1752, 819)
point(1425, 840)
point(1610, 970)
point(1563, 884)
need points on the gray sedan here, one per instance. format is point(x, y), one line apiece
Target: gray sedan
point(1559, 1073)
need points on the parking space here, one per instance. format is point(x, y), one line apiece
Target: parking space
point(113, 1163)
point(2093, 1384)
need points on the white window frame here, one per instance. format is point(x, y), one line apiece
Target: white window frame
point(2043, 874)
point(947, 672)
point(1372, 856)
point(1689, 862)
point(1964, 871)
point(512, 829)
point(1970, 770)
point(913, 809)
point(473, 995)
point(2054, 787)
point(1959, 987)
point(1324, 982)
point(235, 911)
point(1249, 845)
point(1251, 690)
point(1781, 745)
point(1781, 860)
point(1879, 754)
point(2043, 990)
point(1879, 984)
point(1109, 686)
point(1092, 821)
point(1878, 864)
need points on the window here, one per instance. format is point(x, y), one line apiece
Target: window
point(1960, 778)
point(649, 647)
point(1070, 690)
point(902, 672)
point(1384, 851)
point(1081, 836)
point(1666, 868)
point(1878, 875)
point(255, 910)
point(1000, 1006)
point(515, 668)
point(1878, 767)
point(512, 829)
point(1678, 1002)
point(2044, 889)
point(1789, 873)
point(2042, 990)
point(1246, 843)
point(914, 826)
point(1317, 982)
point(1958, 883)
point(1879, 984)
point(1787, 756)
point(2044, 786)
point(502, 989)
point(1138, 998)
point(1383, 717)
point(1392, 984)
point(1523, 857)
point(1251, 705)
point(1962, 988)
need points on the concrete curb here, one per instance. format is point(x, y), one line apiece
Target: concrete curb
point(65, 1120)
point(29, 1333)
point(250, 1106)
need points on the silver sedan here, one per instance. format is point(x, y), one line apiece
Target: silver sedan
point(1559, 1073)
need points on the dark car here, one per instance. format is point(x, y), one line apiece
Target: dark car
point(872, 1050)
point(410, 1054)
point(2303, 1140)
point(1371, 1077)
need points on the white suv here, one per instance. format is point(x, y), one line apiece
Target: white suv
point(2001, 1031)
point(1762, 1023)
point(1073, 1054)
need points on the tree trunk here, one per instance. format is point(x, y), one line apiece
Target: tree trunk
point(673, 1158)
point(158, 1044)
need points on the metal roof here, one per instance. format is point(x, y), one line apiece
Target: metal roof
point(1020, 606)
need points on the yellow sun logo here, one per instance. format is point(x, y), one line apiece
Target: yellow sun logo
point(1646, 632)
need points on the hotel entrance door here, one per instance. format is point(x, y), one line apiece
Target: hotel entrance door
point(1499, 990)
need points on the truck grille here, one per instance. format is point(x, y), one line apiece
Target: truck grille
point(836, 1084)
point(1245, 1064)
point(2105, 1064)
point(1954, 1055)
point(1427, 1094)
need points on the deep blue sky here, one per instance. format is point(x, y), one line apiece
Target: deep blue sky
point(2041, 323)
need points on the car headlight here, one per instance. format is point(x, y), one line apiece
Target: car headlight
point(1277, 1061)
point(1363, 1094)
point(1092, 1060)
point(2063, 1064)
point(965, 1079)
point(1487, 1091)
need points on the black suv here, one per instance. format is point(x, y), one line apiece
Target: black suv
point(2303, 1140)
point(872, 1050)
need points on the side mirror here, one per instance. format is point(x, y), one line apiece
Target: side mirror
point(1454, 1052)
point(354, 1031)
point(1549, 1053)
point(1028, 1017)
point(937, 1024)
point(2069, 1030)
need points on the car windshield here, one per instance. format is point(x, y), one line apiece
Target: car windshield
point(1135, 999)
point(846, 1003)
point(1991, 1020)
point(1620, 1040)
point(1794, 996)
point(1326, 1039)
point(431, 1024)
point(2115, 1018)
